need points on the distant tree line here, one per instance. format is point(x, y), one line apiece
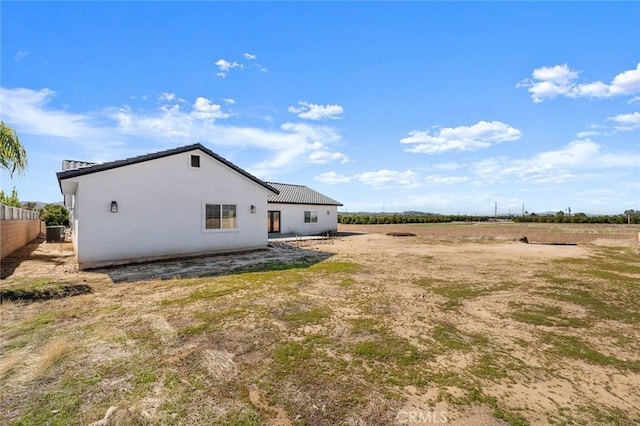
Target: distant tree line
point(629, 216)
point(379, 219)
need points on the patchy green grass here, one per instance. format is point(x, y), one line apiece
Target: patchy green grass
point(342, 341)
point(564, 346)
point(545, 315)
point(450, 337)
point(207, 322)
point(458, 292)
point(59, 405)
point(597, 303)
point(30, 330)
point(245, 418)
point(208, 294)
point(305, 315)
point(335, 267)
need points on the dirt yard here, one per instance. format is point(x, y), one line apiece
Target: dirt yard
point(360, 329)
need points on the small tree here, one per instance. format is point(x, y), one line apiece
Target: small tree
point(13, 156)
point(11, 200)
point(55, 215)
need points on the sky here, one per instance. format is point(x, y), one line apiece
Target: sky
point(442, 107)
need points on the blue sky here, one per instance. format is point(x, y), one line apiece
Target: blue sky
point(430, 106)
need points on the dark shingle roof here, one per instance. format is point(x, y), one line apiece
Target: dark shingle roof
point(66, 174)
point(299, 194)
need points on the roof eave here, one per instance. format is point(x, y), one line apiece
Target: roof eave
point(305, 203)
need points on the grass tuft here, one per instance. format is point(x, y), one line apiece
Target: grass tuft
point(52, 355)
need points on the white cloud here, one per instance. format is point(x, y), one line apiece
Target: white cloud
point(559, 74)
point(629, 121)
point(463, 138)
point(229, 101)
point(166, 96)
point(594, 90)
point(578, 160)
point(322, 157)
point(225, 66)
point(204, 109)
point(311, 111)
point(25, 109)
point(587, 134)
point(446, 180)
point(332, 178)
point(170, 97)
point(626, 83)
point(113, 129)
point(576, 154)
point(389, 178)
point(446, 166)
point(379, 179)
point(22, 54)
point(560, 80)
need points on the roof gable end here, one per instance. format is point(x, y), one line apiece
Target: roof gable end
point(95, 168)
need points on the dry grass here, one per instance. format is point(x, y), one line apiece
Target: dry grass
point(377, 327)
point(51, 355)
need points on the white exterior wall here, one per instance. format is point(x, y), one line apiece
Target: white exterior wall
point(292, 218)
point(161, 211)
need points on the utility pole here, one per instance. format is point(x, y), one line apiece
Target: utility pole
point(495, 215)
point(522, 209)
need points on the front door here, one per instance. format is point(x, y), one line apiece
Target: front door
point(274, 221)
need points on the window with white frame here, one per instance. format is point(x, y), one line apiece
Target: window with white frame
point(220, 216)
point(310, 217)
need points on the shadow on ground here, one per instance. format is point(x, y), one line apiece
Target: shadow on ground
point(275, 257)
point(46, 291)
point(13, 260)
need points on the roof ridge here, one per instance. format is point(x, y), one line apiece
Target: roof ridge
point(99, 167)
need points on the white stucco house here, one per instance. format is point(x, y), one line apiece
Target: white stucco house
point(300, 210)
point(180, 202)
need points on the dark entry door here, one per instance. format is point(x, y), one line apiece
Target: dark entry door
point(274, 221)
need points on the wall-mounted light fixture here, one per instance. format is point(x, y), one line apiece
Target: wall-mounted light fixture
point(114, 207)
point(253, 208)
